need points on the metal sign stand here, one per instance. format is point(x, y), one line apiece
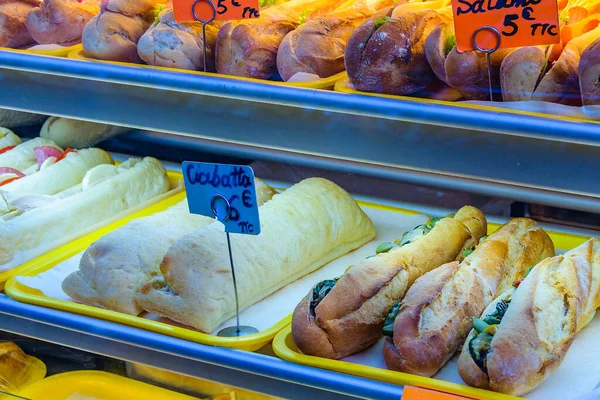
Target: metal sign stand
point(237, 330)
point(204, 22)
point(488, 52)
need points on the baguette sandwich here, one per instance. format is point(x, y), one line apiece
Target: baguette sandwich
point(302, 229)
point(13, 17)
point(343, 316)
point(8, 140)
point(61, 21)
point(524, 335)
point(249, 48)
point(108, 191)
point(114, 269)
point(589, 74)
point(22, 157)
point(434, 317)
point(318, 46)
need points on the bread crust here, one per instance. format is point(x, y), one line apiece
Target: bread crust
point(589, 74)
point(350, 317)
point(433, 321)
point(13, 17)
point(435, 49)
point(520, 72)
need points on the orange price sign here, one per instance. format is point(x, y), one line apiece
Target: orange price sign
point(415, 393)
point(223, 10)
point(518, 22)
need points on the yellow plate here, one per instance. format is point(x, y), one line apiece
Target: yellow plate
point(26, 294)
point(175, 182)
point(343, 86)
point(60, 52)
point(285, 348)
point(96, 384)
point(324, 83)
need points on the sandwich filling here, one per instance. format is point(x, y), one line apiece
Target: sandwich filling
point(388, 324)
point(320, 291)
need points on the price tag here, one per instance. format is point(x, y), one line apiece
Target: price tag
point(223, 191)
point(415, 393)
point(225, 10)
point(519, 22)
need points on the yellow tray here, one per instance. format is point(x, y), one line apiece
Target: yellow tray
point(285, 348)
point(176, 184)
point(36, 372)
point(343, 86)
point(96, 384)
point(325, 83)
point(60, 52)
point(25, 294)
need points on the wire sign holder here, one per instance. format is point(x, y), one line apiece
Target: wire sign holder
point(488, 52)
point(204, 22)
point(227, 193)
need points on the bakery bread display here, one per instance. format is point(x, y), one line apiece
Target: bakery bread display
point(113, 269)
point(302, 229)
point(76, 134)
point(524, 335)
point(345, 315)
point(435, 315)
point(61, 21)
point(114, 34)
point(13, 17)
point(105, 191)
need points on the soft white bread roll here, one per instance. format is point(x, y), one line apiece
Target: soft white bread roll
point(22, 156)
point(516, 353)
point(349, 318)
point(61, 21)
point(435, 316)
point(77, 134)
point(302, 229)
point(42, 228)
point(13, 15)
point(114, 268)
point(56, 177)
point(8, 139)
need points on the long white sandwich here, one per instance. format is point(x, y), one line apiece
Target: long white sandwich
point(302, 229)
point(8, 139)
point(114, 268)
point(22, 157)
point(111, 192)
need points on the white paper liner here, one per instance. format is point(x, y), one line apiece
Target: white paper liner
point(269, 311)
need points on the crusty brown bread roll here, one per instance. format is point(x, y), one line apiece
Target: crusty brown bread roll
point(524, 335)
point(438, 45)
point(343, 316)
point(179, 44)
point(435, 316)
point(589, 74)
point(114, 33)
point(13, 17)
point(521, 71)
point(249, 48)
point(61, 21)
point(318, 46)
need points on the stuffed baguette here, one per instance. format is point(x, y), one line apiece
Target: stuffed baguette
point(13, 17)
point(302, 229)
point(249, 48)
point(61, 21)
point(435, 315)
point(114, 268)
point(344, 316)
point(318, 46)
point(35, 231)
point(524, 335)
point(22, 157)
point(8, 140)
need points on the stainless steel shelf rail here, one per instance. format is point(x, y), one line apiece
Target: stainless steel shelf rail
point(522, 157)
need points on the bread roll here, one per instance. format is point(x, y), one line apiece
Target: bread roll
point(438, 45)
point(13, 15)
point(521, 71)
point(76, 134)
point(435, 316)
point(529, 340)
point(317, 47)
point(61, 21)
point(114, 268)
point(35, 231)
point(589, 74)
point(349, 318)
point(303, 228)
point(22, 156)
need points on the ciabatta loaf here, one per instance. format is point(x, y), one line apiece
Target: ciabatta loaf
point(114, 268)
point(346, 315)
point(303, 228)
point(435, 316)
point(513, 351)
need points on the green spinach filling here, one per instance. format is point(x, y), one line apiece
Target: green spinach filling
point(481, 344)
point(388, 324)
point(408, 237)
point(320, 291)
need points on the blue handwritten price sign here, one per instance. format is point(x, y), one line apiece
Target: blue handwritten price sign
point(223, 191)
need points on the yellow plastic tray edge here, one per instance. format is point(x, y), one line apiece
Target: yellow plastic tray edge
point(62, 52)
point(323, 83)
point(287, 352)
point(24, 294)
point(43, 389)
point(342, 87)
